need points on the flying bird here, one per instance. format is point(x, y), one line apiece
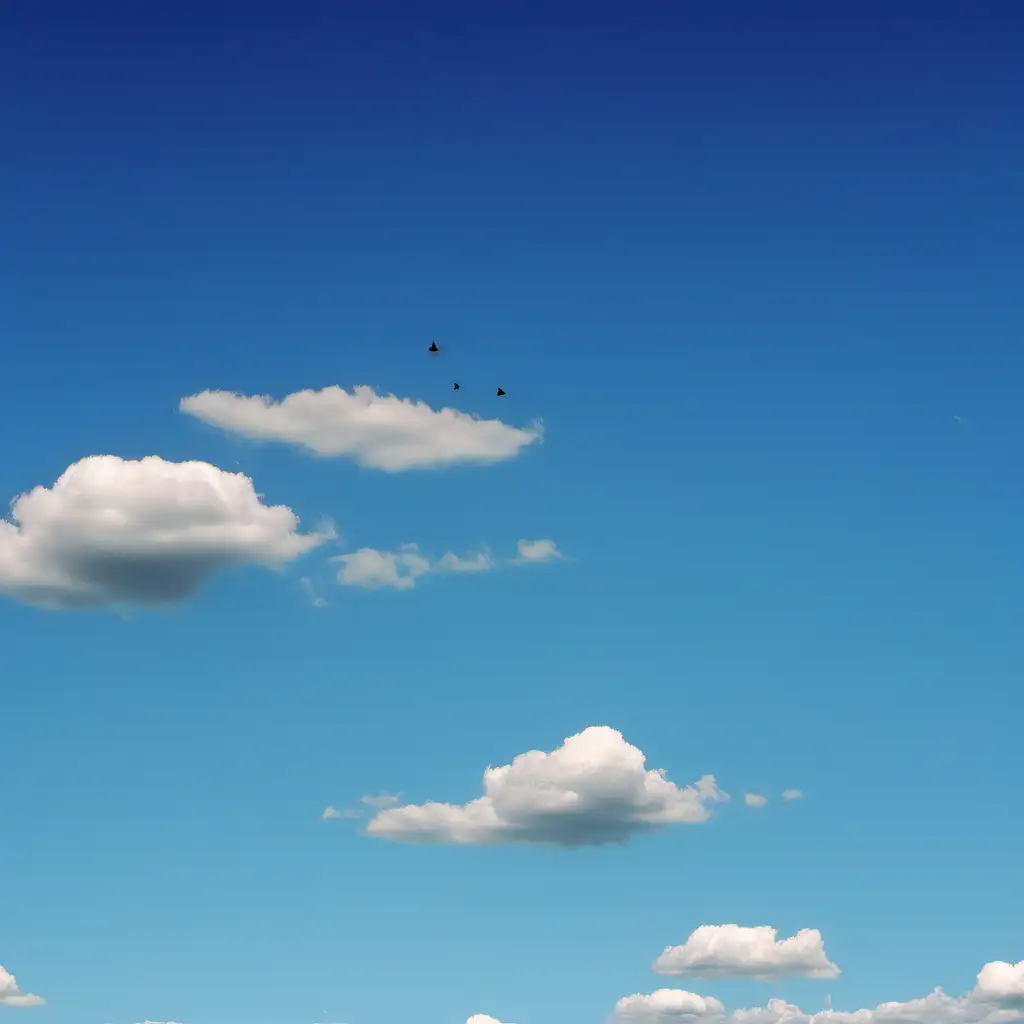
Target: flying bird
point(433, 347)
point(501, 394)
point(455, 386)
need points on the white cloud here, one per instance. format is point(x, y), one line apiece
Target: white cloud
point(334, 814)
point(593, 789)
point(377, 431)
point(482, 1018)
point(374, 569)
point(537, 551)
point(382, 800)
point(731, 950)
point(400, 569)
point(754, 799)
point(995, 999)
point(668, 1005)
point(11, 995)
point(792, 794)
point(1002, 983)
point(113, 531)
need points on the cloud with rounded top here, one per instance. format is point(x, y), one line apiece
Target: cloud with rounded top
point(114, 531)
point(11, 994)
point(376, 431)
point(593, 789)
point(732, 950)
point(754, 799)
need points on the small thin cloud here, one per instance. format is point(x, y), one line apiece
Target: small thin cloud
point(336, 814)
point(755, 799)
point(375, 569)
point(311, 595)
point(792, 794)
point(399, 570)
point(536, 552)
point(382, 800)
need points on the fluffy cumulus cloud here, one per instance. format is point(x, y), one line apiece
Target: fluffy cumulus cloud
point(754, 799)
point(593, 789)
point(1002, 983)
point(376, 431)
point(482, 1018)
point(115, 531)
point(995, 999)
point(721, 950)
point(11, 995)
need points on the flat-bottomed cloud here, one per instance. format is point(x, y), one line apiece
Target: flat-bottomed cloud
point(11, 994)
point(593, 789)
point(732, 950)
point(113, 531)
point(376, 431)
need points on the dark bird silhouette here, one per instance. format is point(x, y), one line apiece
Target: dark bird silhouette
point(433, 347)
point(455, 387)
point(501, 394)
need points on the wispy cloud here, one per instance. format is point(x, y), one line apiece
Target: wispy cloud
point(375, 569)
point(536, 551)
point(754, 799)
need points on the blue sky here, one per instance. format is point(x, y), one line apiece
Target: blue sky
point(755, 267)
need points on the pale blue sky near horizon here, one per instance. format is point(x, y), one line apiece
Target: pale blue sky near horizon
point(748, 264)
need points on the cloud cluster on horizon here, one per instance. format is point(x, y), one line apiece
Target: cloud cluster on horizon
point(11, 995)
point(594, 789)
point(115, 531)
point(732, 950)
point(997, 998)
point(375, 431)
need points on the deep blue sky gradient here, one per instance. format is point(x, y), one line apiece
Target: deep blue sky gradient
point(747, 261)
